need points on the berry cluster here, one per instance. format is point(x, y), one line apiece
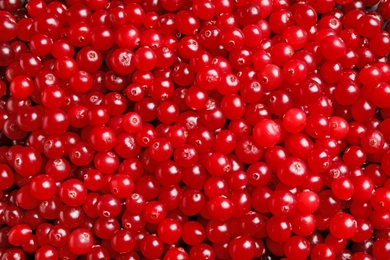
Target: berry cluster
point(194, 129)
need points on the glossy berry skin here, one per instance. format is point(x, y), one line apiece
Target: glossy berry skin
point(101, 138)
point(342, 222)
point(47, 252)
point(19, 235)
point(379, 248)
point(151, 246)
point(123, 241)
point(108, 206)
point(43, 187)
point(193, 233)
point(282, 204)
point(169, 230)
point(72, 192)
point(80, 241)
point(294, 121)
point(293, 172)
point(220, 208)
point(267, 133)
point(121, 185)
point(323, 251)
point(7, 176)
point(297, 247)
point(279, 229)
point(154, 212)
point(332, 48)
point(27, 161)
point(21, 87)
point(242, 247)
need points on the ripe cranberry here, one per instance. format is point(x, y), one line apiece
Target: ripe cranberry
point(43, 187)
point(151, 246)
point(7, 177)
point(169, 230)
point(72, 192)
point(21, 87)
point(292, 172)
point(80, 241)
point(19, 234)
point(123, 241)
point(267, 133)
point(342, 222)
point(242, 247)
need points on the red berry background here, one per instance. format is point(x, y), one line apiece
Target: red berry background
point(194, 129)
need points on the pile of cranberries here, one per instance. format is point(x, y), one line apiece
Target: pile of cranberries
point(194, 129)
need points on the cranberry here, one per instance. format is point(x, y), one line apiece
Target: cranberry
point(267, 133)
point(80, 241)
point(72, 192)
point(19, 234)
point(151, 246)
point(123, 241)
